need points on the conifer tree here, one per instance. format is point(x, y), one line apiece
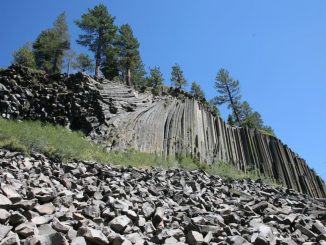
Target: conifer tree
point(155, 79)
point(196, 91)
point(177, 77)
point(110, 68)
point(229, 92)
point(83, 63)
point(129, 60)
point(51, 44)
point(25, 56)
point(100, 31)
point(69, 59)
point(212, 106)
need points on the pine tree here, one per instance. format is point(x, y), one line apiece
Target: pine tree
point(69, 59)
point(177, 77)
point(229, 91)
point(25, 56)
point(129, 60)
point(230, 120)
point(250, 119)
point(83, 63)
point(155, 79)
point(196, 91)
point(110, 68)
point(212, 107)
point(100, 31)
point(51, 44)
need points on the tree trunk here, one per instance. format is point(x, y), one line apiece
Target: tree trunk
point(54, 64)
point(68, 68)
point(233, 106)
point(98, 62)
point(129, 78)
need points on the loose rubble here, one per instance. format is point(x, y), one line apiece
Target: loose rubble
point(80, 203)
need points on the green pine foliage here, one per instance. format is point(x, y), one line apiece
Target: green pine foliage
point(99, 32)
point(83, 63)
point(196, 91)
point(155, 80)
point(130, 63)
point(110, 68)
point(24, 56)
point(50, 46)
point(212, 107)
point(229, 92)
point(250, 119)
point(177, 77)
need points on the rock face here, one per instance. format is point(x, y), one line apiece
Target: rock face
point(215, 211)
point(171, 125)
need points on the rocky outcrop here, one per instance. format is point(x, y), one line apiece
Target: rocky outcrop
point(48, 202)
point(173, 124)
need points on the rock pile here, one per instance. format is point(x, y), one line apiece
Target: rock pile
point(120, 118)
point(68, 101)
point(46, 202)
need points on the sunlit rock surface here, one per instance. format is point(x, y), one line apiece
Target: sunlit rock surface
point(120, 118)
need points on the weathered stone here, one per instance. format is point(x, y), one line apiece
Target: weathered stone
point(58, 226)
point(159, 215)
point(25, 230)
point(50, 239)
point(92, 211)
point(78, 241)
point(47, 208)
point(11, 240)
point(16, 218)
point(305, 230)
point(92, 235)
point(4, 230)
point(318, 228)
point(195, 238)
point(4, 215)
point(119, 223)
point(40, 220)
point(148, 210)
point(11, 193)
point(45, 229)
point(4, 201)
point(236, 240)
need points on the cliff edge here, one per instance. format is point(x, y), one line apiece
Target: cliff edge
point(121, 118)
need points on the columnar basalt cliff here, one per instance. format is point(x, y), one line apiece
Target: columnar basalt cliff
point(173, 124)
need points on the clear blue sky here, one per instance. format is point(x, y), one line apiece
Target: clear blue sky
point(276, 48)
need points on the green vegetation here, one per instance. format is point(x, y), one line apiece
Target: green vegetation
point(51, 45)
point(229, 92)
point(117, 57)
point(83, 63)
point(177, 77)
point(24, 56)
point(62, 144)
point(242, 114)
point(99, 32)
point(196, 91)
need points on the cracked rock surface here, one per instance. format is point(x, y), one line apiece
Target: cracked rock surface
point(47, 202)
point(174, 124)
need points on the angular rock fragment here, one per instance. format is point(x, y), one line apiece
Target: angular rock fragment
point(4, 201)
point(4, 230)
point(11, 193)
point(195, 238)
point(4, 215)
point(92, 235)
point(47, 208)
point(119, 223)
